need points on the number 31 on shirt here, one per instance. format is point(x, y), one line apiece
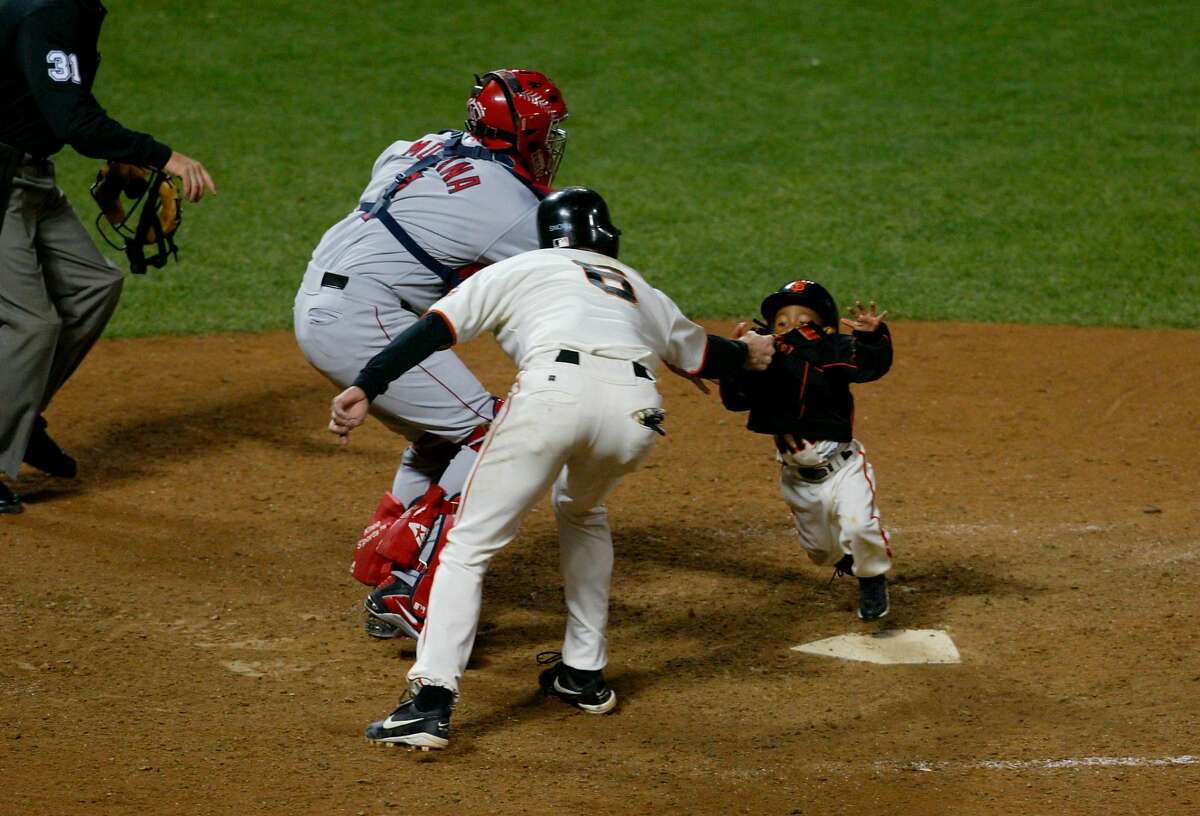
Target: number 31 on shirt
point(64, 67)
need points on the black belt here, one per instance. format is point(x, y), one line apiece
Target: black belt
point(816, 474)
point(572, 358)
point(332, 280)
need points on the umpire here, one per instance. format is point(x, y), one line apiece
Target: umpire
point(57, 291)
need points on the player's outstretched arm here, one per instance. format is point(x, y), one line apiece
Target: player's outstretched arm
point(724, 357)
point(871, 348)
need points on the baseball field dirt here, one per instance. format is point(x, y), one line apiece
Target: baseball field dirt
point(181, 635)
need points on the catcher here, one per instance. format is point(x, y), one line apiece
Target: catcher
point(803, 400)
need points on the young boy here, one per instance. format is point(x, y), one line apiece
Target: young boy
point(803, 399)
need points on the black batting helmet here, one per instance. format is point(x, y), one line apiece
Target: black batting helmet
point(803, 293)
point(577, 217)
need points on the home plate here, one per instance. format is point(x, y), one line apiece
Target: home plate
point(890, 647)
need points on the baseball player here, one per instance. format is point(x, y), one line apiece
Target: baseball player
point(587, 334)
point(57, 291)
point(803, 399)
point(435, 210)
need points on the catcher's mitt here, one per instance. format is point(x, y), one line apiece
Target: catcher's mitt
point(154, 201)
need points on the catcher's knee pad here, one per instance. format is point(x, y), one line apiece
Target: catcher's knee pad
point(405, 543)
point(396, 538)
point(368, 565)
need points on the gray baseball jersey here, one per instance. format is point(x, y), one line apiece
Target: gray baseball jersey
point(461, 211)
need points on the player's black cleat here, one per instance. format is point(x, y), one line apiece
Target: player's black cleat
point(390, 612)
point(10, 503)
point(873, 602)
point(586, 690)
point(423, 720)
point(44, 453)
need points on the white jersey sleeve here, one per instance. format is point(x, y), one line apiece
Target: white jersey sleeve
point(687, 342)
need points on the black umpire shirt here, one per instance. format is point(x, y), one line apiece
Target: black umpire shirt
point(48, 62)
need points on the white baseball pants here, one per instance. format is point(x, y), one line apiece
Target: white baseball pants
point(572, 426)
point(839, 515)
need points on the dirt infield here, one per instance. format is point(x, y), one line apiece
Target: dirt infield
point(181, 636)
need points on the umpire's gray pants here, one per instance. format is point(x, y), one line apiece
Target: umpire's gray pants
point(57, 293)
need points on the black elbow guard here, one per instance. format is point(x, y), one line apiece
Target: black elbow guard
point(409, 348)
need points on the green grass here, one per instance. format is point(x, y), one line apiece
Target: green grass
point(984, 161)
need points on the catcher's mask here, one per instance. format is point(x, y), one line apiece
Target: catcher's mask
point(153, 201)
point(577, 217)
point(518, 112)
point(803, 293)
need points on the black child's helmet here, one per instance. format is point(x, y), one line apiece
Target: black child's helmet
point(803, 293)
point(577, 217)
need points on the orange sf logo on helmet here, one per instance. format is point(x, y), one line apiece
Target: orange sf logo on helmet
point(797, 286)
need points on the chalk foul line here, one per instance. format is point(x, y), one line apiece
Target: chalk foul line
point(1041, 764)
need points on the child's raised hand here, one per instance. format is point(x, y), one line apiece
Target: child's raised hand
point(863, 318)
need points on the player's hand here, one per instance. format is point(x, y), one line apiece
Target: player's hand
point(742, 330)
point(760, 350)
point(195, 178)
point(348, 411)
point(863, 318)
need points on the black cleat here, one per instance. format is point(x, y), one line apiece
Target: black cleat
point(873, 602)
point(390, 611)
point(422, 721)
point(586, 690)
point(10, 503)
point(44, 453)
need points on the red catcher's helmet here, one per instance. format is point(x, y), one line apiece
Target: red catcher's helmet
point(518, 112)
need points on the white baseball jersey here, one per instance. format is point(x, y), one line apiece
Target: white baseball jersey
point(573, 299)
point(461, 211)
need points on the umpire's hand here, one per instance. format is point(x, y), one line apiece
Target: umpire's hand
point(195, 177)
point(348, 412)
point(760, 350)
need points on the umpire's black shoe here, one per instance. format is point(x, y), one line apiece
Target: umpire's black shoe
point(873, 601)
point(9, 502)
point(423, 721)
point(44, 453)
point(586, 690)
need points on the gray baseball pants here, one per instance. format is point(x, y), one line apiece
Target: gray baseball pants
point(57, 293)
